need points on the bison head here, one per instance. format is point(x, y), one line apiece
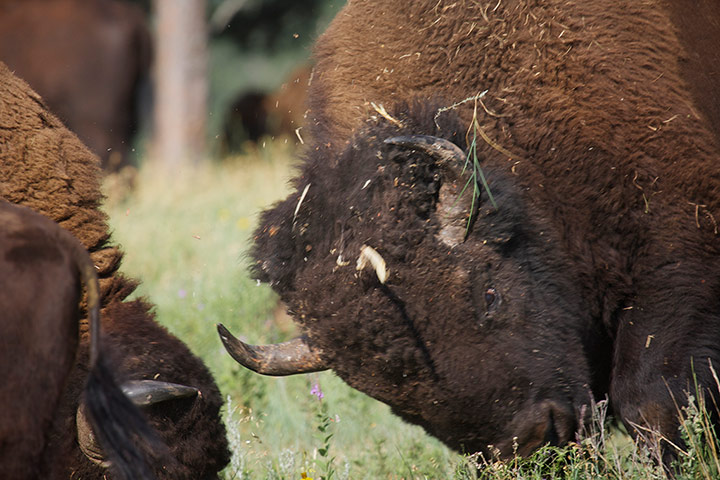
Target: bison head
point(463, 316)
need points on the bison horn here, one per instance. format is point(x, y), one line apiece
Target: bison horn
point(149, 392)
point(142, 393)
point(288, 358)
point(444, 150)
point(455, 206)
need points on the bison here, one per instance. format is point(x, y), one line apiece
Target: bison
point(45, 167)
point(41, 264)
point(89, 60)
point(507, 211)
point(254, 114)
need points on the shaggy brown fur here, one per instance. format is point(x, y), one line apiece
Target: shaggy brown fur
point(89, 59)
point(597, 273)
point(45, 167)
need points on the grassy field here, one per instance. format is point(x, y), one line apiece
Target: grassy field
point(186, 238)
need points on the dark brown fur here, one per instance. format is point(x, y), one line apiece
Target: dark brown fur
point(88, 59)
point(142, 349)
point(602, 153)
point(42, 268)
point(45, 167)
point(39, 295)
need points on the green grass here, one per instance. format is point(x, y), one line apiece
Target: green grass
point(186, 236)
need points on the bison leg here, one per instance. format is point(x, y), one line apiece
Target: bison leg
point(657, 364)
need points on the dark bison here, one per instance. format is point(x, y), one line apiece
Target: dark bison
point(590, 268)
point(41, 266)
point(89, 60)
point(45, 167)
point(281, 113)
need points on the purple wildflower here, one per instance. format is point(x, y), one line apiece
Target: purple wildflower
point(317, 391)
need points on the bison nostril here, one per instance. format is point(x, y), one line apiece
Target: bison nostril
point(551, 434)
point(545, 423)
point(562, 424)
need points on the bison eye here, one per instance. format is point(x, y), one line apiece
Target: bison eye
point(491, 299)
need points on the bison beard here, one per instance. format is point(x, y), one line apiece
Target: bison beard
point(596, 275)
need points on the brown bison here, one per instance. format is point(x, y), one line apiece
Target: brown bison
point(45, 167)
point(89, 60)
point(281, 113)
point(586, 262)
point(41, 265)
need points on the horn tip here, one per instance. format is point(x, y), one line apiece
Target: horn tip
point(224, 333)
point(240, 351)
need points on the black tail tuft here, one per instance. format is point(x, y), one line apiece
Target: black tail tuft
point(129, 442)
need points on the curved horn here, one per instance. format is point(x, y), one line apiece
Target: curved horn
point(444, 150)
point(142, 393)
point(280, 359)
point(455, 205)
point(149, 392)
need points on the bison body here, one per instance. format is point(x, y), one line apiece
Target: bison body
point(592, 270)
point(40, 297)
point(90, 62)
point(42, 268)
point(45, 167)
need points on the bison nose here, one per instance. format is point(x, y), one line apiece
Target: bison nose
point(549, 422)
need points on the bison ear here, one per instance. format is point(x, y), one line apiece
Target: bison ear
point(457, 205)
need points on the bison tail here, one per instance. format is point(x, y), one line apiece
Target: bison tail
point(122, 436)
point(128, 442)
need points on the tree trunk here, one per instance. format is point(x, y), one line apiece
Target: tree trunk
point(181, 82)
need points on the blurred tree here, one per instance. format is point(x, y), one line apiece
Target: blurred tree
point(251, 45)
point(181, 82)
